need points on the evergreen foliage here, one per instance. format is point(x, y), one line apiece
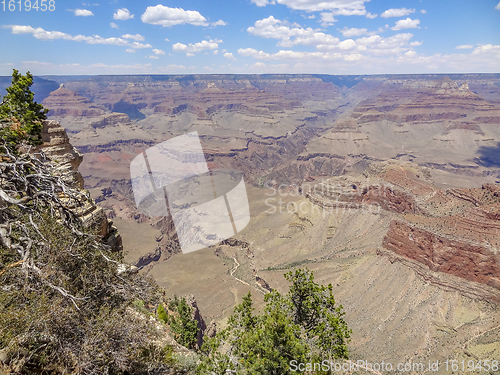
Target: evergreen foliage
point(20, 116)
point(183, 324)
point(304, 325)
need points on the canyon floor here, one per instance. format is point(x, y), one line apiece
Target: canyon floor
point(398, 206)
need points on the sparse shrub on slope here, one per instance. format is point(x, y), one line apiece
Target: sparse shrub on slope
point(66, 299)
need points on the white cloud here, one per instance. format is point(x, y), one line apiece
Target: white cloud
point(318, 5)
point(167, 40)
point(290, 35)
point(130, 50)
point(190, 54)
point(410, 54)
point(401, 12)
point(158, 52)
point(113, 25)
point(191, 49)
point(136, 37)
point(251, 52)
point(465, 46)
point(229, 56)
point(487, 48)
point(337, 7)
point(219, 23)
point(39, 33)
point(358, 32)
point(327, 19)
point(138, 45)
point(41, 67)
point(122, 14)
point(423, 11)
point(42, 34)
point(152, 57)
point(406, 24)
point(299, 56)
point(167, 17)
point(371, 16)
point(353, 32)
point(83, 12)
point(262, 3)
point(392, 46)
point(349, 12)
point(347, 44)
point(498, 6)
point(486, 59)
point(216, 52)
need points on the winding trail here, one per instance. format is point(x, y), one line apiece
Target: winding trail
point(236, 265)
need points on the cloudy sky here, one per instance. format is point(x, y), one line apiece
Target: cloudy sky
point(250, 36)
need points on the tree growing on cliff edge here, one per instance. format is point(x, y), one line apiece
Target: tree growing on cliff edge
point(304, 325)
point(20, 116)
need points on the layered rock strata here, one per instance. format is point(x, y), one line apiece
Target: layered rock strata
point(57, 148)
point(433, 231)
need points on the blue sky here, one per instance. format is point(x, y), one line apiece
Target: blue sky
point(250, 36)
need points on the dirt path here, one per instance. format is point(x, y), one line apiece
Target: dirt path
point(236, 265)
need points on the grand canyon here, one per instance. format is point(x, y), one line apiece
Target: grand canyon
point(386, 186)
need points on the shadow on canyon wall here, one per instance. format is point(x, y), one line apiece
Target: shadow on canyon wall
point(489, 156)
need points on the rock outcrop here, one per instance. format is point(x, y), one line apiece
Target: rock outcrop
point(458, 257)
point(63, 103)
point(56, 147)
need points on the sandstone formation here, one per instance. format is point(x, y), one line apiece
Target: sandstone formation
point(455, 231)
point(63, 103)
point(56, 147)
point(71, 109)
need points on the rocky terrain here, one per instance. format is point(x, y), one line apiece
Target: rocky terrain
point(386, 186)
point(56, 146)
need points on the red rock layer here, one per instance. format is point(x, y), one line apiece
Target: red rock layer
point(459, 258)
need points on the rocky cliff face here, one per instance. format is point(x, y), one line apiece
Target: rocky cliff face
point(56, 147)
point(63, 103)
point(470, 261)
point(453, 231)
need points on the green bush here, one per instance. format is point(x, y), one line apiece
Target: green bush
point(303, 325)
point(162, 314)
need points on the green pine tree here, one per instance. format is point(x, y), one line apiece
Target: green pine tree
point(20, 116)
point(304, 325)
point(185, 328)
